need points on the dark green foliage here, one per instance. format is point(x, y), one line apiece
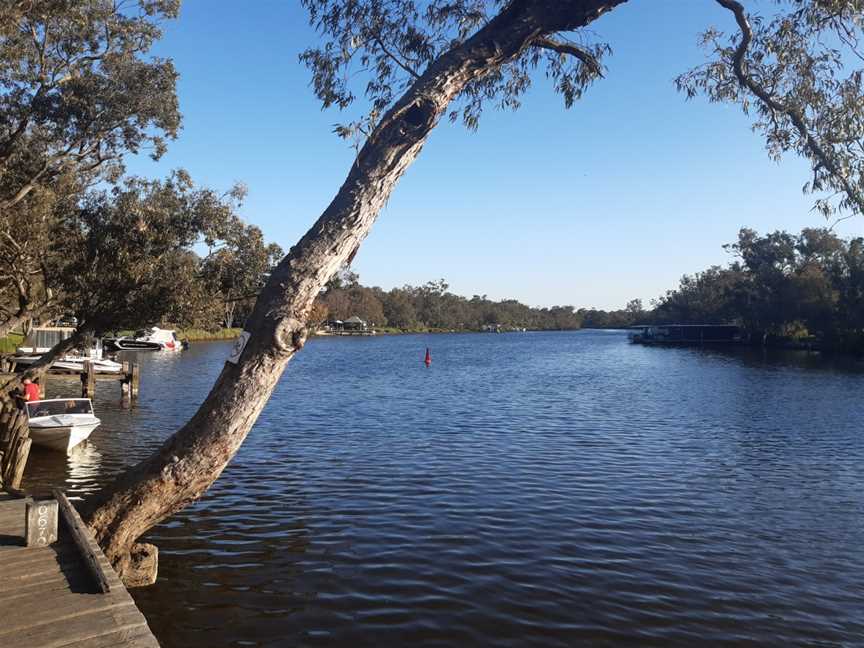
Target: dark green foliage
point(432, 306)
point(78, 90)
point(126, 256)
point(236, 268)
point(781, 284)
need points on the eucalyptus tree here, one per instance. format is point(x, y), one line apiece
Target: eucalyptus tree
point(78, 90)
point(414, 63)
point(236, 268)
point(126, 249)
point(125, 255)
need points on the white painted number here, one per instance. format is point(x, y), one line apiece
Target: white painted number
point(239, 345)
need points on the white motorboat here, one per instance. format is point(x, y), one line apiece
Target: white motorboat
point(42, 339)
point(153, 339)
point(61, 423)
point(72, 363)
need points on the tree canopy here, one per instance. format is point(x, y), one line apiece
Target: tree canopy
point(78, 91)
point(780, 284)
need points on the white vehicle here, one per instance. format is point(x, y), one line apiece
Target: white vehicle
point(61, 423)
point(42, 339)
point(153, 339)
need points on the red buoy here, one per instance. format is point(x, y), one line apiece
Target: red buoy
point(428, 360)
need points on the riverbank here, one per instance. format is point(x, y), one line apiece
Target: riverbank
point(203, 335)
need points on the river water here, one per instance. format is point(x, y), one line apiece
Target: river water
point(545, 489)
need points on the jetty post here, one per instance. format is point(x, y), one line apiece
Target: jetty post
point(14, 445)
point(88, 380)
point(130, 382)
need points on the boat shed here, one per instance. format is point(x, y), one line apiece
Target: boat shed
point(686, 334)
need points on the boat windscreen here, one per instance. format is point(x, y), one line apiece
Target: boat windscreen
point(55, 407)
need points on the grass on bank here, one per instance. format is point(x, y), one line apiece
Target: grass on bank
point(199, 335)
point(11, 342)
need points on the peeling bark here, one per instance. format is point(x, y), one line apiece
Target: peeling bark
point(194, 457)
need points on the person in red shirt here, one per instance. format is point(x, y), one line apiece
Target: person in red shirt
point(31, 391)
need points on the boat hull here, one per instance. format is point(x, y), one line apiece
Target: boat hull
point(153, 339)
point(62, 438)
point(71, 364)
point(121, 344)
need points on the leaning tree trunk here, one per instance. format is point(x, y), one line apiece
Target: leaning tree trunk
point(193, 458)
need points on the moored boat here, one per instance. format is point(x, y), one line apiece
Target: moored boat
point(61, 423)
point(43, 339)
point(153, 339)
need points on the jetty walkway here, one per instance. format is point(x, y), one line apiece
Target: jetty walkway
point(64, 594)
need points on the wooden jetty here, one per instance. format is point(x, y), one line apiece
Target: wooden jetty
point(65, 594)
point(129, 377)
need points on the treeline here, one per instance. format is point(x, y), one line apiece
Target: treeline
point(779, 285)
point(433, 307)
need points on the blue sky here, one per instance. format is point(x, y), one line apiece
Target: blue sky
point(613, 199)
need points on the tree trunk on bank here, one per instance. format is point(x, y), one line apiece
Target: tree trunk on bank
point(194, 457)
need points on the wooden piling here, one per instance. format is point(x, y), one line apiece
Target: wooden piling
point(18, 462)
point(14, 445)
point(135, 381)
point(88, 380)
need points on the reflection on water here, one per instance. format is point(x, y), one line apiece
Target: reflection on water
point(526, 489)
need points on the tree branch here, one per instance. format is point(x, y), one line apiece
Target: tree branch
point(821, 155)
point(395, 58)
point(570, 49)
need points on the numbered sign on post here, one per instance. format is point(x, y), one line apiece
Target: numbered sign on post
point(41, 527)
point(239, 345)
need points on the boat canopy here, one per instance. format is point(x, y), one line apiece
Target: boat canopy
point(57, 406)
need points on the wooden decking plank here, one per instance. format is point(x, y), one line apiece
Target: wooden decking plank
point(78, 631)
point(12, 521)
point(136, 637)
point(22, 554)
point(10, 513)
point(15, 577)
point(87, 546)
point(48, 582)
point(82, 630)
point(56, 603)
point(55, 609)
point(25, 569)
